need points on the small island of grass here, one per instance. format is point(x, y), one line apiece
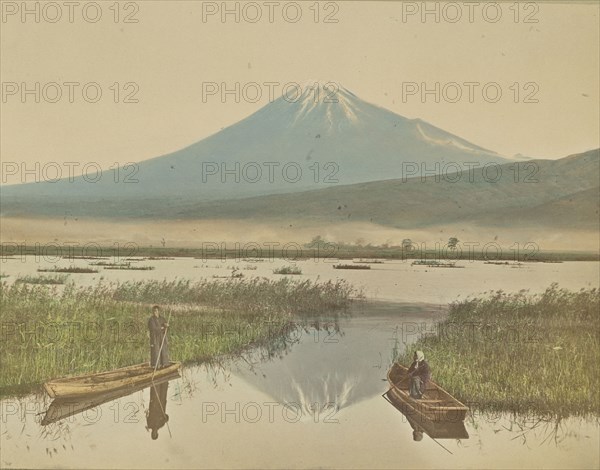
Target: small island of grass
point(520, 353)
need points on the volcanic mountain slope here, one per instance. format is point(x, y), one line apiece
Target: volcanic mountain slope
point(328, 136)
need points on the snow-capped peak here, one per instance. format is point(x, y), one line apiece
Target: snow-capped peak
point(329, 99)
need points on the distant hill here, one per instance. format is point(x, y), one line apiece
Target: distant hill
point(580, 210)
point(560, 192)
point(328, 137)
point(543, 194)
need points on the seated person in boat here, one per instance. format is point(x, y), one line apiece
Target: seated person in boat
point(418, 375)
point(159, 345)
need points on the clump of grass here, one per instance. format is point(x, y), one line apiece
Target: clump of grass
point(251, 295)
point(53, 280)
point(108, 263)
point(51, 333)
point(351, 266)
point(520, 353)
point(288, 270)
point(130, 268)
point(70, 269)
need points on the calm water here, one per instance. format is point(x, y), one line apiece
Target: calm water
point(316, 403)
point(396, 281)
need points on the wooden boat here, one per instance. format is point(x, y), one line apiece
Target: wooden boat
point(435, 405)
point(434, 429)
point(62, 408)
point(103, 382)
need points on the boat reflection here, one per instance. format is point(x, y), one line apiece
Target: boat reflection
point(440, 429)
point(62, 408)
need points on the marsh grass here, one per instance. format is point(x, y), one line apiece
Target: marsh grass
point(57, 279)
point(351, 266)
point(128, 267)
point(288, 270)
point(250, 295)
point(50, 332)
point(312, 250)
point(70, 269)
point(109, 263)
point(520, 353)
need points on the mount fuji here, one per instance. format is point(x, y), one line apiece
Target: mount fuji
point(328, 136)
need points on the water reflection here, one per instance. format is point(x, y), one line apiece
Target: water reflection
point(328, 370)
point(420, 424)
point(534, 430)
point(346, 364)
point(156, 416)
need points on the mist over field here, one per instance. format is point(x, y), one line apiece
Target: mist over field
point(192, 234)
point(326, 164)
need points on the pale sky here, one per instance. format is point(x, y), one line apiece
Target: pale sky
point(372, 50)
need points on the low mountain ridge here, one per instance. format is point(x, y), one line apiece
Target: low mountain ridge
point(561, 193)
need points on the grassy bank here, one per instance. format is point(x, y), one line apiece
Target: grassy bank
point(520, 353)
point(57, 279)
point(326, 250)
point(288, 270)
point(52, 331)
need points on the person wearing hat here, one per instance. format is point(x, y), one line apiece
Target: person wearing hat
point(419, 375)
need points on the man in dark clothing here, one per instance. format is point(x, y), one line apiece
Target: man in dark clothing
point(157, 326)
point(418, 375)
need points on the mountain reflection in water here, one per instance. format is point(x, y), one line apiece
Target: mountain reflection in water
point(328, 370)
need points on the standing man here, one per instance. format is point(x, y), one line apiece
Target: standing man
point(418, 375)
point(157, 325)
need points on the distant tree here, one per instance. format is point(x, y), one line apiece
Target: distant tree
point(316, 242)
point(452, 242)
point(407, 244)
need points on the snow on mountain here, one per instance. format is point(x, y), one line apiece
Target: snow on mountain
point(326, 136)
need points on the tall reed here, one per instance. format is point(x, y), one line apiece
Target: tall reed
point(52, 331)
point(521, 353)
